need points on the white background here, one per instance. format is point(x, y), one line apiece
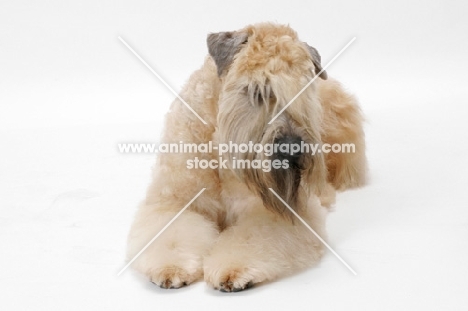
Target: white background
point(70, 91)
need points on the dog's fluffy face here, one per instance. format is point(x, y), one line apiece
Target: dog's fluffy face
point(262, 68)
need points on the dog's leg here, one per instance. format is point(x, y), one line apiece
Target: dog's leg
point(343, 125)
point(175, 258)
point(328, 196)
point(262, 246)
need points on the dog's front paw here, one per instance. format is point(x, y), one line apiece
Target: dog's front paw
point(172, 277)
point(230, 279)
point(232, 283)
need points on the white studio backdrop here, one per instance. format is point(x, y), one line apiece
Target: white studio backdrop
point(70, 91)
point(62, 64)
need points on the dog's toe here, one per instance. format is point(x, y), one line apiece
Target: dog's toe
point(171, 277)
point(234, 281)
point(227, 287)
point(167, 284)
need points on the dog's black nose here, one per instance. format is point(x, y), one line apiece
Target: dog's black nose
point(288, 147)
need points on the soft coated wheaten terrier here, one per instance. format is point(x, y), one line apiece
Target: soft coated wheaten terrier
point(237, 232)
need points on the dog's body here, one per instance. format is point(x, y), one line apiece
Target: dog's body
point(238, 232)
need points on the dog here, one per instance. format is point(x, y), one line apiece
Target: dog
point(238, 232)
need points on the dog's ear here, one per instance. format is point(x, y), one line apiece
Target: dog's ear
point(316, 59)
point(223, 46)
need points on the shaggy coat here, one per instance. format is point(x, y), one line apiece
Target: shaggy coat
point(237, 232)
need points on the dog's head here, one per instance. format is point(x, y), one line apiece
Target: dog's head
point(262, 68)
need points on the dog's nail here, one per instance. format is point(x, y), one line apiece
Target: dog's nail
point(166, 284)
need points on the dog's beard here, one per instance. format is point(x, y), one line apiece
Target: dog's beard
point(291, 181)
point(286, 181)
point(244, 118)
